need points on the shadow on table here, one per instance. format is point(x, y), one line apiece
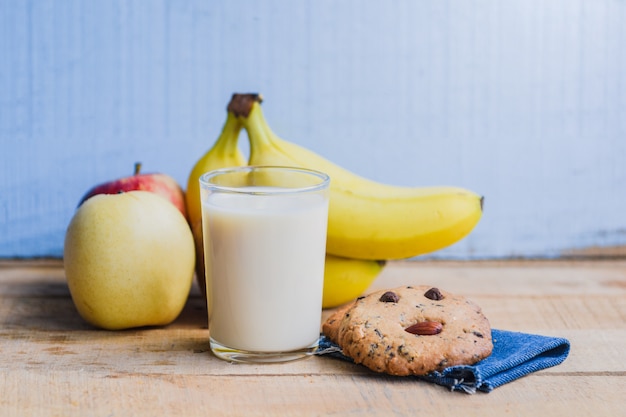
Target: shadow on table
point(48, 306)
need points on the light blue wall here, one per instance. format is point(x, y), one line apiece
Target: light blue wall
point(523, 101)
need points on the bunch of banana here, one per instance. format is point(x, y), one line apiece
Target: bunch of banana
point(344, 279)
point(367, 219)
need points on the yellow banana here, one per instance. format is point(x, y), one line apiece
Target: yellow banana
point(224, 153)
point(368, 219)
point(345, 279)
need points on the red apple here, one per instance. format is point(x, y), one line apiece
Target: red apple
point(160, 184)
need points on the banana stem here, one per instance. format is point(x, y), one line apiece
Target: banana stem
point(247, 108)
point(241, 104)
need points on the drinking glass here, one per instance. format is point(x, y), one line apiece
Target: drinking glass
point(264, 231)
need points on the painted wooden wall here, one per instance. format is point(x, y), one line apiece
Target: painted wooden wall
point(523, 101)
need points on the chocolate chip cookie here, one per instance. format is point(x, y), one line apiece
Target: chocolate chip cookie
point(411, 330)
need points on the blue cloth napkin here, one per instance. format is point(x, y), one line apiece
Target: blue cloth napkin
point(514, 355)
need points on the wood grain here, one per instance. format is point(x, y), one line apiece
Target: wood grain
point(55, 364)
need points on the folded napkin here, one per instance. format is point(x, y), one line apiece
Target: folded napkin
point(514, 355)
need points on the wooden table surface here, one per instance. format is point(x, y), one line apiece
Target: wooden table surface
point(53, 364)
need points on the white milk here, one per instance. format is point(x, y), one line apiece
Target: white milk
point(265, 269)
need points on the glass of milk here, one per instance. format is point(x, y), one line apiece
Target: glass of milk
point(264, 231)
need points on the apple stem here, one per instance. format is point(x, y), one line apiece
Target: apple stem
point(137, 167)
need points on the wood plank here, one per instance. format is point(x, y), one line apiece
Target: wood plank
point(80, 393)
point(517, 278)
point(476, 277)
point(172, 350)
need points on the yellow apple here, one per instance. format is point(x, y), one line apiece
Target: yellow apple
point(129, 260)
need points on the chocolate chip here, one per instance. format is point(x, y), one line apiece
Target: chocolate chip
point(433, 294)
point(389, 297)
